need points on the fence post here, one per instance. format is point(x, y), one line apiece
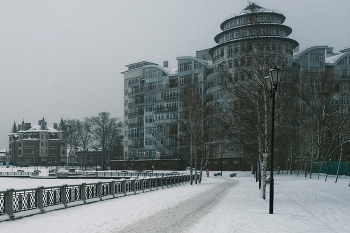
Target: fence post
point(133, 188)
point(124, 187)
point(142, 185)
point(162, 182)
point(39, 198)
point(8, 203)
point(156, 182)
point(83, 192)
point(63, 190)
point(113, 187)
point(98, 190)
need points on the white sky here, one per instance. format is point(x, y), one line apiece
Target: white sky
point(64, 58)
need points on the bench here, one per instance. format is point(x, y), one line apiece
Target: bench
point(233, 174)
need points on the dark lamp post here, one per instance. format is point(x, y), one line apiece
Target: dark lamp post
point(272, 82)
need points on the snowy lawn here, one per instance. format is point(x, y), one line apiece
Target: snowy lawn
point(301, 205)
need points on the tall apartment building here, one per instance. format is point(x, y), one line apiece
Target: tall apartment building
point(151, 100)
point(38, 144)
point(151, 105)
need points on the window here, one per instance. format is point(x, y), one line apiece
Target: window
point(30, 151)
point(224, 162)
point(196, 65)
point(230, 64)
point(195, 79)
point(305, 58)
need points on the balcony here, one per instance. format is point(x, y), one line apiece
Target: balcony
point(135, 125)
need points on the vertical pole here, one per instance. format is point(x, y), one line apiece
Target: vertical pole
point(83, 192)
point(9, 203)
point(63, 195)
point(272, 150)
point(39, 198)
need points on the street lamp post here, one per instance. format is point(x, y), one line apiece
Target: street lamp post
point(272, 82)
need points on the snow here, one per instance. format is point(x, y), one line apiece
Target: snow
point(334, 58)
point(219, 204)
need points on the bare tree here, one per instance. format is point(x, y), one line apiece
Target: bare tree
point(190, 122)
point(73, 132)
point(106, 132)
point(324, 116)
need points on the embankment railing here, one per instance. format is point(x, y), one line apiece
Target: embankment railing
point(25, 202)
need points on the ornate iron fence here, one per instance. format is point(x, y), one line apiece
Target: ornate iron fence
point(23, 200)
point(2, 203)
point(51, 196)
point(15, 201)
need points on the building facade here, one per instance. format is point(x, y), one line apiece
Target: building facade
point(151, 104)
point(37, 145)
point(256, 37)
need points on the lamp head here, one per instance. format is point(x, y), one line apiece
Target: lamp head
point(276, 75)
point(268, 83)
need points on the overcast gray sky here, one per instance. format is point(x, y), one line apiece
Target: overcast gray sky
point(64, 58)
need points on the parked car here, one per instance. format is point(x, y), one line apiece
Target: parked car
point(218, 174)
point(20, 171)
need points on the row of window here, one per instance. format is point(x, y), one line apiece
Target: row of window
point(164, 116)
point(35, 151)
point(252, 32)
point(248, 20)
point(236, 49)
point(313, 57)
point(188, 66)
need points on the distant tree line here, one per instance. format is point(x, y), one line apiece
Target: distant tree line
point(100, 133)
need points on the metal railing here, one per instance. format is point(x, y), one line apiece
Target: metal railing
point(17, 203)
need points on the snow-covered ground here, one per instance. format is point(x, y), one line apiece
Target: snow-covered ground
point(219, 204)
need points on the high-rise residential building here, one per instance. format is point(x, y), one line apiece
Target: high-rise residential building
point(256, 37)
point(151, 104)
point(38, 144)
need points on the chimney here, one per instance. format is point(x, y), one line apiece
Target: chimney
point(165, 64)
point(19, 128)
point(55, 125)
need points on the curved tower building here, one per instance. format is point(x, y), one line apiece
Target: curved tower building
point(255, 36)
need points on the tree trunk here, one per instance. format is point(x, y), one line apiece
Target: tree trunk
point(263, 183)
point(339, 163)
point(310, 168)
point(319, 171)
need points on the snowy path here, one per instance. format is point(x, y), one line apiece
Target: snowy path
point(183, 215)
